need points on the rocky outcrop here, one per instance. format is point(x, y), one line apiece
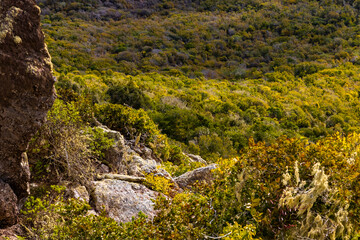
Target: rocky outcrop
point(197, 175)
point(123, 200)
point(26, 92)
point(127, 158)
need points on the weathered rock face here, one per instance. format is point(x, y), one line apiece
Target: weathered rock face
point(26, 89)
point(8, 207)
point(11, 233)
point(197, 175)
point(196, 158)
point(123, 200)
point(75, 190)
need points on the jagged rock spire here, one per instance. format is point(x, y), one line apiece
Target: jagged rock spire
point(26, 94)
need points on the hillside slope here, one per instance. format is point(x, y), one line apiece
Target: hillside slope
point(267, 90)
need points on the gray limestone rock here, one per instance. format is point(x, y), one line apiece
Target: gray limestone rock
point(197, 175)
point(196, 158)
point(77, 191)
point(123, 200)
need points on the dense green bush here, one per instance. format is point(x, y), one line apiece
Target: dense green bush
point(187, 110)
point(99, 143)
point(129, 94)
point(261, 178)
point(129, 121)
point(187, 215)
point(136, 124)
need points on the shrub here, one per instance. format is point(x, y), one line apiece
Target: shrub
point(99, 142)
point(213, 147)
point(129, 94)
point(178, 169)
point(137, 124)
point(309, 201)
point(60, 148)
point(276, 209)
point(53, 217)
point(307, 68)
point(130, 122)
point(158, 183)
point(46, 214)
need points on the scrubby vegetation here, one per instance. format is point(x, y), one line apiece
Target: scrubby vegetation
point(269, 191)
point(268, 90)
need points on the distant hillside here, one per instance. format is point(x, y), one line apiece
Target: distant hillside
point(300, 38)
point(102, 9)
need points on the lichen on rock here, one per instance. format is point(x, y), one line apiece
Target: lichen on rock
point(25, 96)
point(123, 200)
point(6, 26)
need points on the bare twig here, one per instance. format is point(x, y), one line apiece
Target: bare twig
point(218, 237)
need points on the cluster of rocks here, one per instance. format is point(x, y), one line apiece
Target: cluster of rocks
point(120, 189)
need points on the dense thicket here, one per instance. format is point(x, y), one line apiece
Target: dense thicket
point(272, 36)
point(216, 118)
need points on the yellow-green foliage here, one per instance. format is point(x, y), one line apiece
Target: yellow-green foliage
point(179, 169)
point(60, 147)
point(263, 88)
point(99, 143)
point(45, 215)
point(226, 79)
point(136, 123)
point(72, 86)
point(249, 199)
point(52, 217)
point(65, 147)
point(158, 183)
point(186, 216)
point(128, 121)
point(245, 39)
point(215, 118)
point(234, 232)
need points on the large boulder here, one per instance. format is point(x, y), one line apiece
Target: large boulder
point(203, 174)
point(26, 90)
point(123, 200)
